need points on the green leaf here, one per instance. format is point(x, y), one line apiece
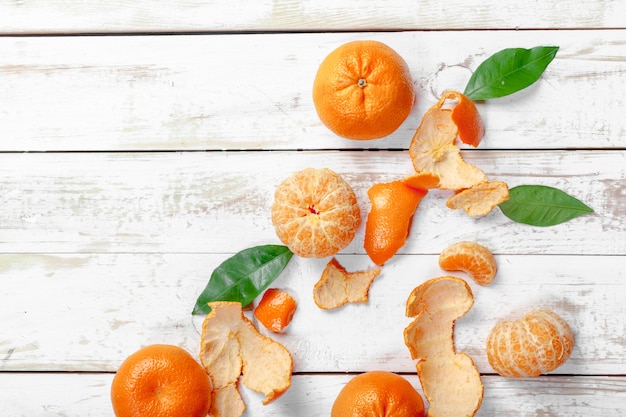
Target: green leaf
point(509, 71)
point(539, 205)
point(244, 276)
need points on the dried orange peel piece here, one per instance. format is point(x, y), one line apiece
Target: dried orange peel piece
point(538, 343)
point(466, 117)
point(338, 287)
point(231, 347)
point(472, 258)
point(393, 205)
point(276, 309)
point(450, 380)
point(433, 148)
point(480, 199)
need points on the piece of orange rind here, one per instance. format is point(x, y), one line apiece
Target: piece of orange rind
point(433, 150)
point(338, 287)
point(450, 380)
point(231, 347)
point(480, 199)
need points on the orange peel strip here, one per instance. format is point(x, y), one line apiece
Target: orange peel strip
point(450, 380)
point(433, 150)
point(231, 347)
point(466, 117)
point(276, 309)
point(393, 205)
point(338, 287)
point(480, 199)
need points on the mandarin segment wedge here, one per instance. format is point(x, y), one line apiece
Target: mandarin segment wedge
point(450, 380)
point(536, 344)
point(231, 347)
point(315, 213)
point(338, 287)
point(472, 258)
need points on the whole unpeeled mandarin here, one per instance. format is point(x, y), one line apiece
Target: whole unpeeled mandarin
point(363, 90)
point(161, 381)
point(378, 394)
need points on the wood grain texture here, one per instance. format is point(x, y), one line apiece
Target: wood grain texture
point(194, 202)
point(96, 16)
point(254, 91)
point(86, 395)
point(87, 312)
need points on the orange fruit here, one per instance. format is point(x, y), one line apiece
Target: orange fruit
point(315, 213)
point(472, 258)
point(161, 381)
point(393, 205)
point(363, 90)
point(378, 394)
point(538, 343)
point(275, 310)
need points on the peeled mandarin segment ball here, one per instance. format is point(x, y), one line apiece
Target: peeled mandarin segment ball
point(363, 90)
point(184, 389)
point(379, 394)
point(393, 205)
point(276, 309)
point(433, 150)
point(338, 287)
point(450, 380)
point(231, 347)
point(315, 213)
point(472, 258)
point(480, 199)
point(528, 347)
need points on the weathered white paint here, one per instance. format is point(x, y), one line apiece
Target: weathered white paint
point(87, 395)
point(254, 91)
point(104, 252)
point(57, 16)
point(219, 202)
point(87, 313)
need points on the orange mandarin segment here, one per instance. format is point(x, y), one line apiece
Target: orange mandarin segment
point(472, 258)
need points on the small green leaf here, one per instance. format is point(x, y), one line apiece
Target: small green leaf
point(539, 205)
point(509, 71)
point(244, 276)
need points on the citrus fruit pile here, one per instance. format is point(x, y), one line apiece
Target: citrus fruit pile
point(363, 90)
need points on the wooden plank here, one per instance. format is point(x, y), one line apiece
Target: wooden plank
point(254, 91)
point(193, 202)
point(87, 395)
point(222, 15)
point(87, 312)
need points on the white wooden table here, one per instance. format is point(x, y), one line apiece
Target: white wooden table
point(141, 141)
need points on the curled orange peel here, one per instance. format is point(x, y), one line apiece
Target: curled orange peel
point(433, 147)
point(393, 205)
point(338, 287)
point(230, 348)
point(450, 380)
point(480, 199)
